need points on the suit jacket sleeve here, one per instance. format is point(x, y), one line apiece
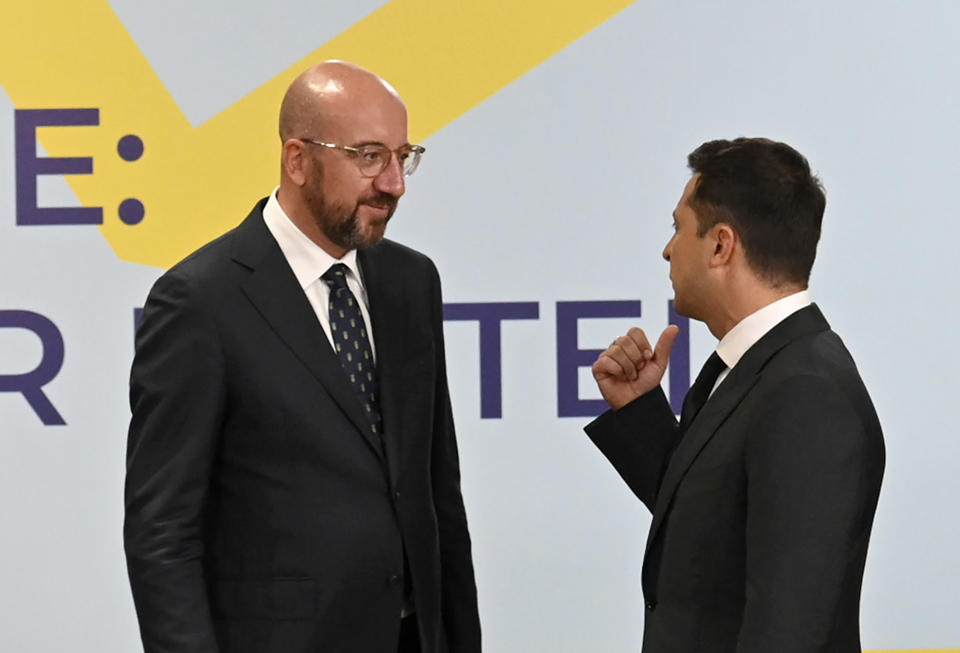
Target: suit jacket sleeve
point(177, 399)
point(638, 440)
point(461, 620)
point(814, 462)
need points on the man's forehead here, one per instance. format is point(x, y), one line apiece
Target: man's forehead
point(688, 190)
point(370, 123)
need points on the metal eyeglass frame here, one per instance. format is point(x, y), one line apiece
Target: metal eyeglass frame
point(408, 166)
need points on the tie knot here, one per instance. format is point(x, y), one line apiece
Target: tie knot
point(712, 368)
point(336, 276)
point(700, 390)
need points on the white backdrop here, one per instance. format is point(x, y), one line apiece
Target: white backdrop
point(558, 188)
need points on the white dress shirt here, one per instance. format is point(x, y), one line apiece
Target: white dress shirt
point(309, 261)
point(750, 329)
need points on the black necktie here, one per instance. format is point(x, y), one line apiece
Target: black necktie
point(700, 390)
point(350, 339)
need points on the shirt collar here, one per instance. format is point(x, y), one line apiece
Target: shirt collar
point(750, 329)
point(307, 259)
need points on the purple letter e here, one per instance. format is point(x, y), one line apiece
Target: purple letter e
point(29, 166)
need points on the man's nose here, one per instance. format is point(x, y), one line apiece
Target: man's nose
point(391, 179)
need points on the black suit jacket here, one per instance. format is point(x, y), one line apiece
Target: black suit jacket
point(261, 513)
point(762, 510)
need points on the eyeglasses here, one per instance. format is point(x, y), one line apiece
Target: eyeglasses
point(373, 158)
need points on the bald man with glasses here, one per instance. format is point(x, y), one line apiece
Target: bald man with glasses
point(293, 480)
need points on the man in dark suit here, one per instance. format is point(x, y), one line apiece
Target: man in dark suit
point(292, 471)
point(763, 495)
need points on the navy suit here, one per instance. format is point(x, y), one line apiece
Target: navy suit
point(261, 513)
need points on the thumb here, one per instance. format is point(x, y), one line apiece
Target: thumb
point(665, 344)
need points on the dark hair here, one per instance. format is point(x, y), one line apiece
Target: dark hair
point(764, 190)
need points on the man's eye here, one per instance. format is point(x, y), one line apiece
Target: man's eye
point(404, 155)
point(370, 156)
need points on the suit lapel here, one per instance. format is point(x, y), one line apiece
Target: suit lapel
point(384, 289)
point(274, 291)
point(725, 399)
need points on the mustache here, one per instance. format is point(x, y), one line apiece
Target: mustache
point(380, 199)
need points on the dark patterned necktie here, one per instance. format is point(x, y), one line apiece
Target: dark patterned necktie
point(700, 390)
point(350, 339)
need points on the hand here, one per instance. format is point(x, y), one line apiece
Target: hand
point(630, 368)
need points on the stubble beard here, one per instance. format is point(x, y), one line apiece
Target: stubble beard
point(341, 225)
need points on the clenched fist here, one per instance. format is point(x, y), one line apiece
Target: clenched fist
point(630, 368)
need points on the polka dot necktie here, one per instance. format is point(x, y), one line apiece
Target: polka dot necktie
point(350, 339)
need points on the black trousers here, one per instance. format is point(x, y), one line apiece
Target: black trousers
point(409, 637)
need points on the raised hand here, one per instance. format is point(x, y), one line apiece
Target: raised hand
point(630, 367)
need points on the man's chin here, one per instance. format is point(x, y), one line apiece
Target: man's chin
point(371, 235)
point(374, 229)
point(680, 307)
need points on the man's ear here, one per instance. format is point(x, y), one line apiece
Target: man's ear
point(725, 242)
point(294, 159)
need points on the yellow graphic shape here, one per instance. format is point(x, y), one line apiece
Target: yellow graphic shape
point(444, 57)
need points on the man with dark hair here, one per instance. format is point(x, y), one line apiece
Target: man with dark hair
point(293, 483)
point(766, 192)
point(763, 494)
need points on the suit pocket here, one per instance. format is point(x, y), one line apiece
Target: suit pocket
point(278, 598)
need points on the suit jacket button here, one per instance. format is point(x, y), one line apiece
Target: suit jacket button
point(651, 605)
point(395, 580)
point(397, 494)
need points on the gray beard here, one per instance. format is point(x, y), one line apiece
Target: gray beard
point(341, 225)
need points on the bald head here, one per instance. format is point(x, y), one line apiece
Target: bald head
point(329, 111)
point(325, 92)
